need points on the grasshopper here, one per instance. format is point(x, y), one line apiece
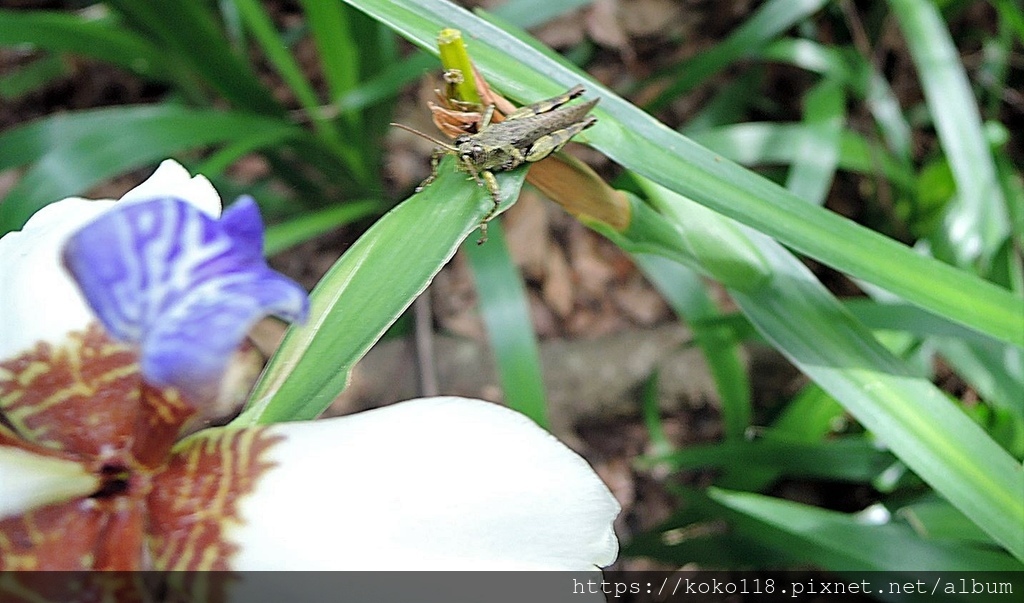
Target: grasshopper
point(528, 134)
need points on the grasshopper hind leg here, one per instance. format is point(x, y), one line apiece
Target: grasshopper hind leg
point(545, 106)
point(553, 142)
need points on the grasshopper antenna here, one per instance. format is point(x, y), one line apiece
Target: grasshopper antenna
point(422, 135)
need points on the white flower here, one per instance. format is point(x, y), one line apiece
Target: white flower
point(444, 483)
point(439, 483)
point(38, 302)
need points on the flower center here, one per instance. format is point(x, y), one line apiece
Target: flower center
point(116, 480)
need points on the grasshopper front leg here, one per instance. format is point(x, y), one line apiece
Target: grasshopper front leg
point(492, 187)
point(487, 180)
point(435, 159)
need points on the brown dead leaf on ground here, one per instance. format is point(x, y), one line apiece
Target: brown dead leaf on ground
point(453, 294)
point(604, 25)
point(558, 284)
point(652, 17)
point(563, 32)
point(528, 233)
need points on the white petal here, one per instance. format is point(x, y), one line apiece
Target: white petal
point(173, 179)
point(29, 480)
point(439, 483)
point(38, 300)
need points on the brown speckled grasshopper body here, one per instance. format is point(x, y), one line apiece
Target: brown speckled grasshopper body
point(528, 134)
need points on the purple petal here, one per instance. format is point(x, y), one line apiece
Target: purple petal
point(185, 286)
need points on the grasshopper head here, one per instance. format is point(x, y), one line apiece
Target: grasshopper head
point(470, 150)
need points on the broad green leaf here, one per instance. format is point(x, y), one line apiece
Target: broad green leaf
point(366, 291)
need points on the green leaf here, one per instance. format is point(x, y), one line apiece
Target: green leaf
point(188, 34)
point(817, 152)
point(638, 142)
point(72, 152)
point(768, 21)
point(337, 46)
point(691, 301)
point(913, 418)
point(854, 459)
point(935, 518)
point(762, 143)
point(367, 290)
point(976, 223)
point(311, 224)
point(910, 415)
point(849, 543)
point(788, 306)
point(530, 13)
point(32, 76)
point(505, 310)
point(858, 73)
point(102, 40)
point(259, 23)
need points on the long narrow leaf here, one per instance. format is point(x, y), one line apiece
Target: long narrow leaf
point(506, 314)
point(690, 300)
point(69, 153)
point(770, 19)
point(366, 291)
point(976, 224)
point(909, 414)
point(762, 143)
point(841, 542)
point(637, 141)
point(817, 153)
point(188, 32)
point(298, 230)
point(69, 33)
